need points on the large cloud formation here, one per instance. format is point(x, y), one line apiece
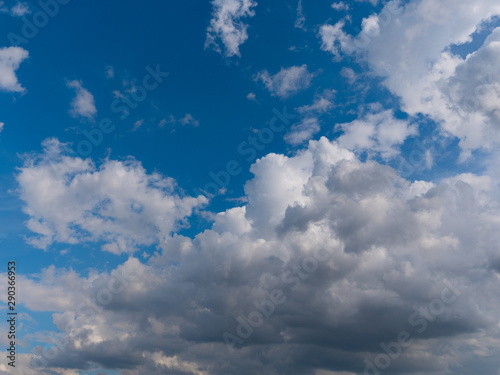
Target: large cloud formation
point(331, 261)
point(409, 45)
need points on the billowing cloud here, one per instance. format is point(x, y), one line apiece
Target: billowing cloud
point(83, 104)
point(287, 81)
point(71, 200)
point(10, 59)
point(409, 46)
point(353, 256)
point(227, 27)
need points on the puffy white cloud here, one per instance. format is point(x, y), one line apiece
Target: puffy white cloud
point(70, 200)
point(84, 103)
point(376, 133)
point(2, 124)
point(227, 27)
point(287, 81)
point(10, 59)
point(394, 246)
point(409, 46)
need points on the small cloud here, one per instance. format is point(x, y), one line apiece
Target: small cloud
point(251, 96)
point(84, 103)
point(349, 74)
point(188, 119)
point(1, 126)
point(10, 59)
point(287, 81)
point(322, 103)
point(303, 131)
point(301, 19)
point(340, 6)
point(20, 9)
point(110, 71)
point(137, 125)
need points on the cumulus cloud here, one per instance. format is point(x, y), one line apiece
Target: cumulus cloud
point(10, 59)
point(389, 248)
point(380, 133)
point(287, 81)
point(409, 46)
point(2, 124)
point(71, 200)
point(227, 27)
point(83, 104)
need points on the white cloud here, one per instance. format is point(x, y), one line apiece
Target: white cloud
point(20, 9)
point(376, 133)
point(322, 103)
point(10, 59)
point(303, 131)
point(287, 81)
point(226, 25)
point(408, 45)
point(70, 200)
point(84, 103)
point(394, 247)
point(251, 96)
point(2, 124)
point(137, 125)
point(188, 119)
point(349, 74)
point(301, 19)
point(340, 6)
point(335, 40)
point(309, 124)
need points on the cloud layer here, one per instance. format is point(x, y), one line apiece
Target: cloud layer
point(358, 253)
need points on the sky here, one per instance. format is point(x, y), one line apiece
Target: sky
point(248, 186)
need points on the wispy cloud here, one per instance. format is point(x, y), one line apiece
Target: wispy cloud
point(227, 27)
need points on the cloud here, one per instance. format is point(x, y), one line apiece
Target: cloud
point(393, 247)
point(287, 81)
point(188, 119)
point(84, 103)
point(413, 41)
point(71, 200)
point(251, 96)
point(10, 59)
point(137, 125)
point(20, 9)
point(226, 25)
point(2, 124)
point(340, 6)
point(309, 125)
point(110, 71)
point(301, 19)
point(378, 133)
point(303, 131)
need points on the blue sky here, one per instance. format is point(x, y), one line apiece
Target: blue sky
point(206, 148)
